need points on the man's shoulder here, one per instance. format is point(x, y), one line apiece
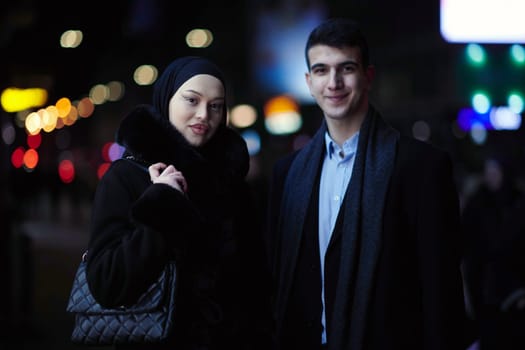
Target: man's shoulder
point(414, 147)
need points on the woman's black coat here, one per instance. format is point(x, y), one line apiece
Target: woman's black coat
point(212, 233)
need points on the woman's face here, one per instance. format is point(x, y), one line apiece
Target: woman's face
point(197, 108)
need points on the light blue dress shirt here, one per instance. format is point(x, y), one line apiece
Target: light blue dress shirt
point(335, 176)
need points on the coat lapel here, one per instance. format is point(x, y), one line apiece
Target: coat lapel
point(300, 183)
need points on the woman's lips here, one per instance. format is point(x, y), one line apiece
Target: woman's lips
point(199, 129)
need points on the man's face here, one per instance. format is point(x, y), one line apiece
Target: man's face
point(338, 81)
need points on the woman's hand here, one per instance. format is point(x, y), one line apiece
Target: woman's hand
point(169, 175)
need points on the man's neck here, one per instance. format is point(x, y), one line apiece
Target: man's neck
point(342, 129)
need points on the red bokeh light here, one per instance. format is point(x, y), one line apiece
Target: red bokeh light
point(102, 169)
point(66, 171)
point(105, 151)
point(34, 141)
point(17, 157)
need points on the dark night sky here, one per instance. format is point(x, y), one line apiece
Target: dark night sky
point(117, 32)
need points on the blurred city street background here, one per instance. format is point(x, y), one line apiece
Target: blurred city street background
point(70, 71)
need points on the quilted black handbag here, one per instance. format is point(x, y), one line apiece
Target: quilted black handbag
point(150, 320)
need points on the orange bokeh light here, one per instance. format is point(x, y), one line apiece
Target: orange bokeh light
point(280, 104)
point(31, 158)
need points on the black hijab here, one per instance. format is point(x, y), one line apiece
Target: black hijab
point(176, 74)
point(147, 133)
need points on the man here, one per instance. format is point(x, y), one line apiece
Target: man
point(363, 223)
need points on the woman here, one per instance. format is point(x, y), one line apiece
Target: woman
point(179, 193)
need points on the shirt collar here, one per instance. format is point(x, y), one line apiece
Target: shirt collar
point(349, 146)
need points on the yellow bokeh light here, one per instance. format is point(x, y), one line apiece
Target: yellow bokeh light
point(145, 74)
point(199, 38)
point(33, 123)
point(71, 38)
point(99, 94)
point(15, 99)
point(63, 106)
point(49, 118)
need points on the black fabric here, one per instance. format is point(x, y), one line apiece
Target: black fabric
point(149, 137)
point(415, 298)
point(212, 233)
point(377, 144)
point(176, 74)
point(494, 264)
point(303, 315)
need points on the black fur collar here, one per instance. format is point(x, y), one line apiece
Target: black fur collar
point(147, 136)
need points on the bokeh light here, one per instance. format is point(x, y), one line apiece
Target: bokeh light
point(85, 107)
point(115, 152)
point(30, 158)
point(34, 141)
point(145, 74)
point(15, 99)
point(102, 168)
point(63, 106)
point(481, 102)
point(199, 38)
point(17, 157)
point(281, 115)
point(253, 141)
point(71, 39)
point(476, 54)
point(243, 116)
point(66, 171)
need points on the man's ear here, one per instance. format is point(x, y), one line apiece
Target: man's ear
point(308, 79)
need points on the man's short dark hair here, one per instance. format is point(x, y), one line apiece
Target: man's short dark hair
point(339, 33)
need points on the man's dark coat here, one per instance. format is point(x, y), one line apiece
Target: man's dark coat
point(392, 269)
